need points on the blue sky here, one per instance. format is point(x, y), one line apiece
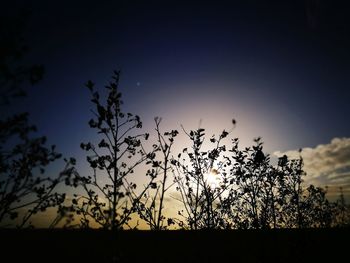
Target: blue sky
point(280, 68)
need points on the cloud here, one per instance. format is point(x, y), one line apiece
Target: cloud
point(326, 164)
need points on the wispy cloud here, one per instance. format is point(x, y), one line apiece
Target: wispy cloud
point(326, 164)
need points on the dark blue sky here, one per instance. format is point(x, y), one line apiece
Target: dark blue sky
point(280, 68)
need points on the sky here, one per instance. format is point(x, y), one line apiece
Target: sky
point(280, 68)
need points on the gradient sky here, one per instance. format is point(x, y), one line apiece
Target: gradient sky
point(280, 68)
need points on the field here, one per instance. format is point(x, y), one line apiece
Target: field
point(326, 245)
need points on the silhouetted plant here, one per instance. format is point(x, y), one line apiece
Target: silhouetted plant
point(268, 196)
point(291, 192)
point(250, 201)
point(109, 197)
point(250, 192)
point(150, 208)
point(341, 211)
point(259, 193)
point(317, 210)
point(24, 188)
point(194, 174)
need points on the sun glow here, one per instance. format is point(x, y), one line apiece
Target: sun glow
point(212, 178)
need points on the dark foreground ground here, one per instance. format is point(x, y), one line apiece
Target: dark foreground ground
point(322, 245)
